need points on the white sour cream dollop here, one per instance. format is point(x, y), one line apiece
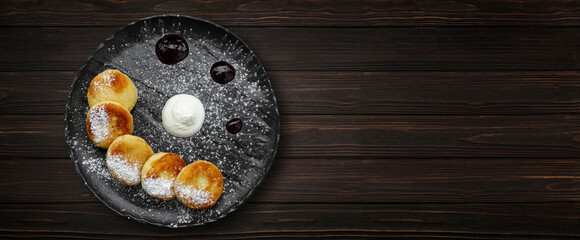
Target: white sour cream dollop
point(183, 115)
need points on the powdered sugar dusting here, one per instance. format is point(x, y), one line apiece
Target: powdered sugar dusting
point(158, 187)
point(106, 81)
point(193, 195)
point(99, 120)
point(125, 170)
point(96, 166)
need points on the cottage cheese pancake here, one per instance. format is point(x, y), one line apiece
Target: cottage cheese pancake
point(106, 121)
point(112, 85)
point(199, 185)
point(126, 157)
point(158, 175)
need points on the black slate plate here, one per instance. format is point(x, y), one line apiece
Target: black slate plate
point(243, 158)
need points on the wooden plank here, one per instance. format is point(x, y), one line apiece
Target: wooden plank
point(480, 221)
point(298, 13)
point(430, 136)
point(387, 180)
point(331, 49)
point(530, 92)
point(43, 133)
point(34, 92)
point(352, 136)
point(347, 92)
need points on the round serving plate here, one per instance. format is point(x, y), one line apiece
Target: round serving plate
point(243, 158)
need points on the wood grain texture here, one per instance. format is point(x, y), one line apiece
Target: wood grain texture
point(479, 221)
point(331, 49)
point(346, 92)
point(298, 13)
point(352, 136)
point(386, 180)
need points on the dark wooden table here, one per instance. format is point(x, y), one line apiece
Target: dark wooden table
point(404, 119)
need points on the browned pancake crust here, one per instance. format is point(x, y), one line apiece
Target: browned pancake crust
point(170, 164)
point(118, 82)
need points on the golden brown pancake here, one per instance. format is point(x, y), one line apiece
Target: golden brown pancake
point(199, 185)
point(158, 175)
point(112, 85)
point(106, 121)
point(125, 159)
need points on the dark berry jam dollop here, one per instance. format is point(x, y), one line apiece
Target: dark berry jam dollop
point(222, 72)
point(234, 126)
point(171, 49)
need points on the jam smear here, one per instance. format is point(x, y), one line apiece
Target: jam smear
point(222, 72)
point(234, 126)
point(171, 49)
